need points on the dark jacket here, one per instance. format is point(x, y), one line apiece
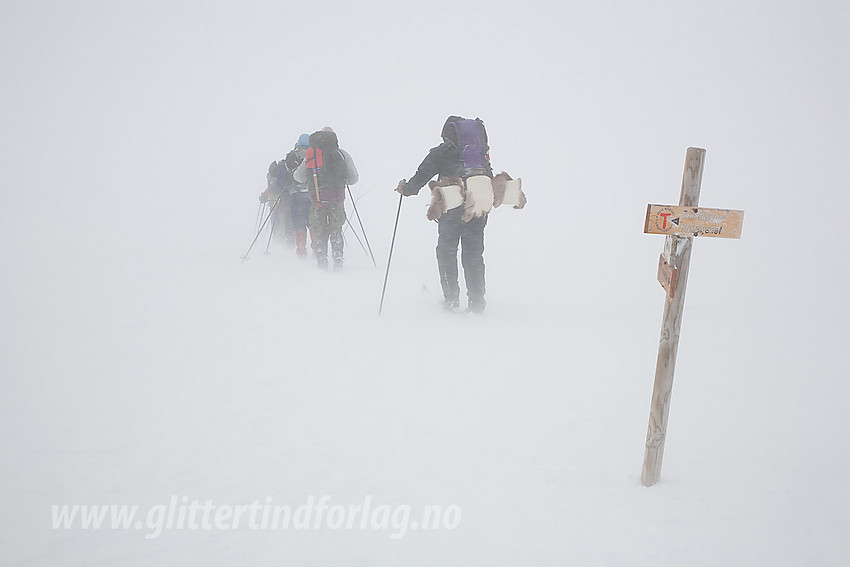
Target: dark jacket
point(444, 160)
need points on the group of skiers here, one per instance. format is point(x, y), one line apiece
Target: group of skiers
point(308, 188)
point(317, 206)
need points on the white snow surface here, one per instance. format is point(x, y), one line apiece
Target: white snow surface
point(141, 359)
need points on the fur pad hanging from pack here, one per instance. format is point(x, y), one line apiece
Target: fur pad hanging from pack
point(446, 194)
point(508, 191)
point(479, 197)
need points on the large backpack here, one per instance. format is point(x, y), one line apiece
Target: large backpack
point(279, 177)
point(271, 176)
point(324, 157)
point(470, 136)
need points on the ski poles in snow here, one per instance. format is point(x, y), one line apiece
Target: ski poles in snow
point(363, 230)
point(274, 223)
point(259, 216)
point(392, 244)
point(360, 242)
point(245, 257)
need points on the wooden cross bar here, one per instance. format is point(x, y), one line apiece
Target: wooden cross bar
point(681, 224)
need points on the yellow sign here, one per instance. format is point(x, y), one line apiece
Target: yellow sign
point(673, 220)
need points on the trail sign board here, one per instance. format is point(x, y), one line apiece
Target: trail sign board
point(668, 276)
point(674, 220)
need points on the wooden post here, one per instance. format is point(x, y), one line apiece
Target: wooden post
point(677, 253)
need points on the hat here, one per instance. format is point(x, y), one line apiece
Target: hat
point(448, 132)
point(327, 129)
point(303, 141)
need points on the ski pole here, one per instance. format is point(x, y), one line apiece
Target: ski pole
point(355, 235)
point(259, 215)
point(392, 244)
point(274, 223)
point(314, 162)
point(363, 230)
point(245, 257)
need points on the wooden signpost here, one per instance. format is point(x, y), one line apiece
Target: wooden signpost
point(681, 224)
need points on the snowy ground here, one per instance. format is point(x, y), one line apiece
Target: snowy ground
point(142, 362)
point(185, 373)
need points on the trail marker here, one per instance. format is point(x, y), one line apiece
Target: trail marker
point(681, 223)
point(693, 221)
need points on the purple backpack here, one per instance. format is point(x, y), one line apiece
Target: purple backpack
point(471, 138)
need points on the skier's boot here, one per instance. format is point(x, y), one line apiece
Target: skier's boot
point(322, 254)
point(301, 243)
point(476, 305)
point(337, 244)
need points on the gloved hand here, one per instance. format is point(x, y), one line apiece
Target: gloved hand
point(264, 196)
point(400, 188)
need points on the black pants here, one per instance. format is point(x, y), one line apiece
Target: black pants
point(470, 235)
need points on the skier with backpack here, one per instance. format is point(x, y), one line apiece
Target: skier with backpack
point(327, 170)
point(299, 198)
point(462, 197)
point(278, 181)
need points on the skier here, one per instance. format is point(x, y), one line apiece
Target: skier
point(278, 180)
point(327, 170)
point(461, 158)
point(299, 198)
